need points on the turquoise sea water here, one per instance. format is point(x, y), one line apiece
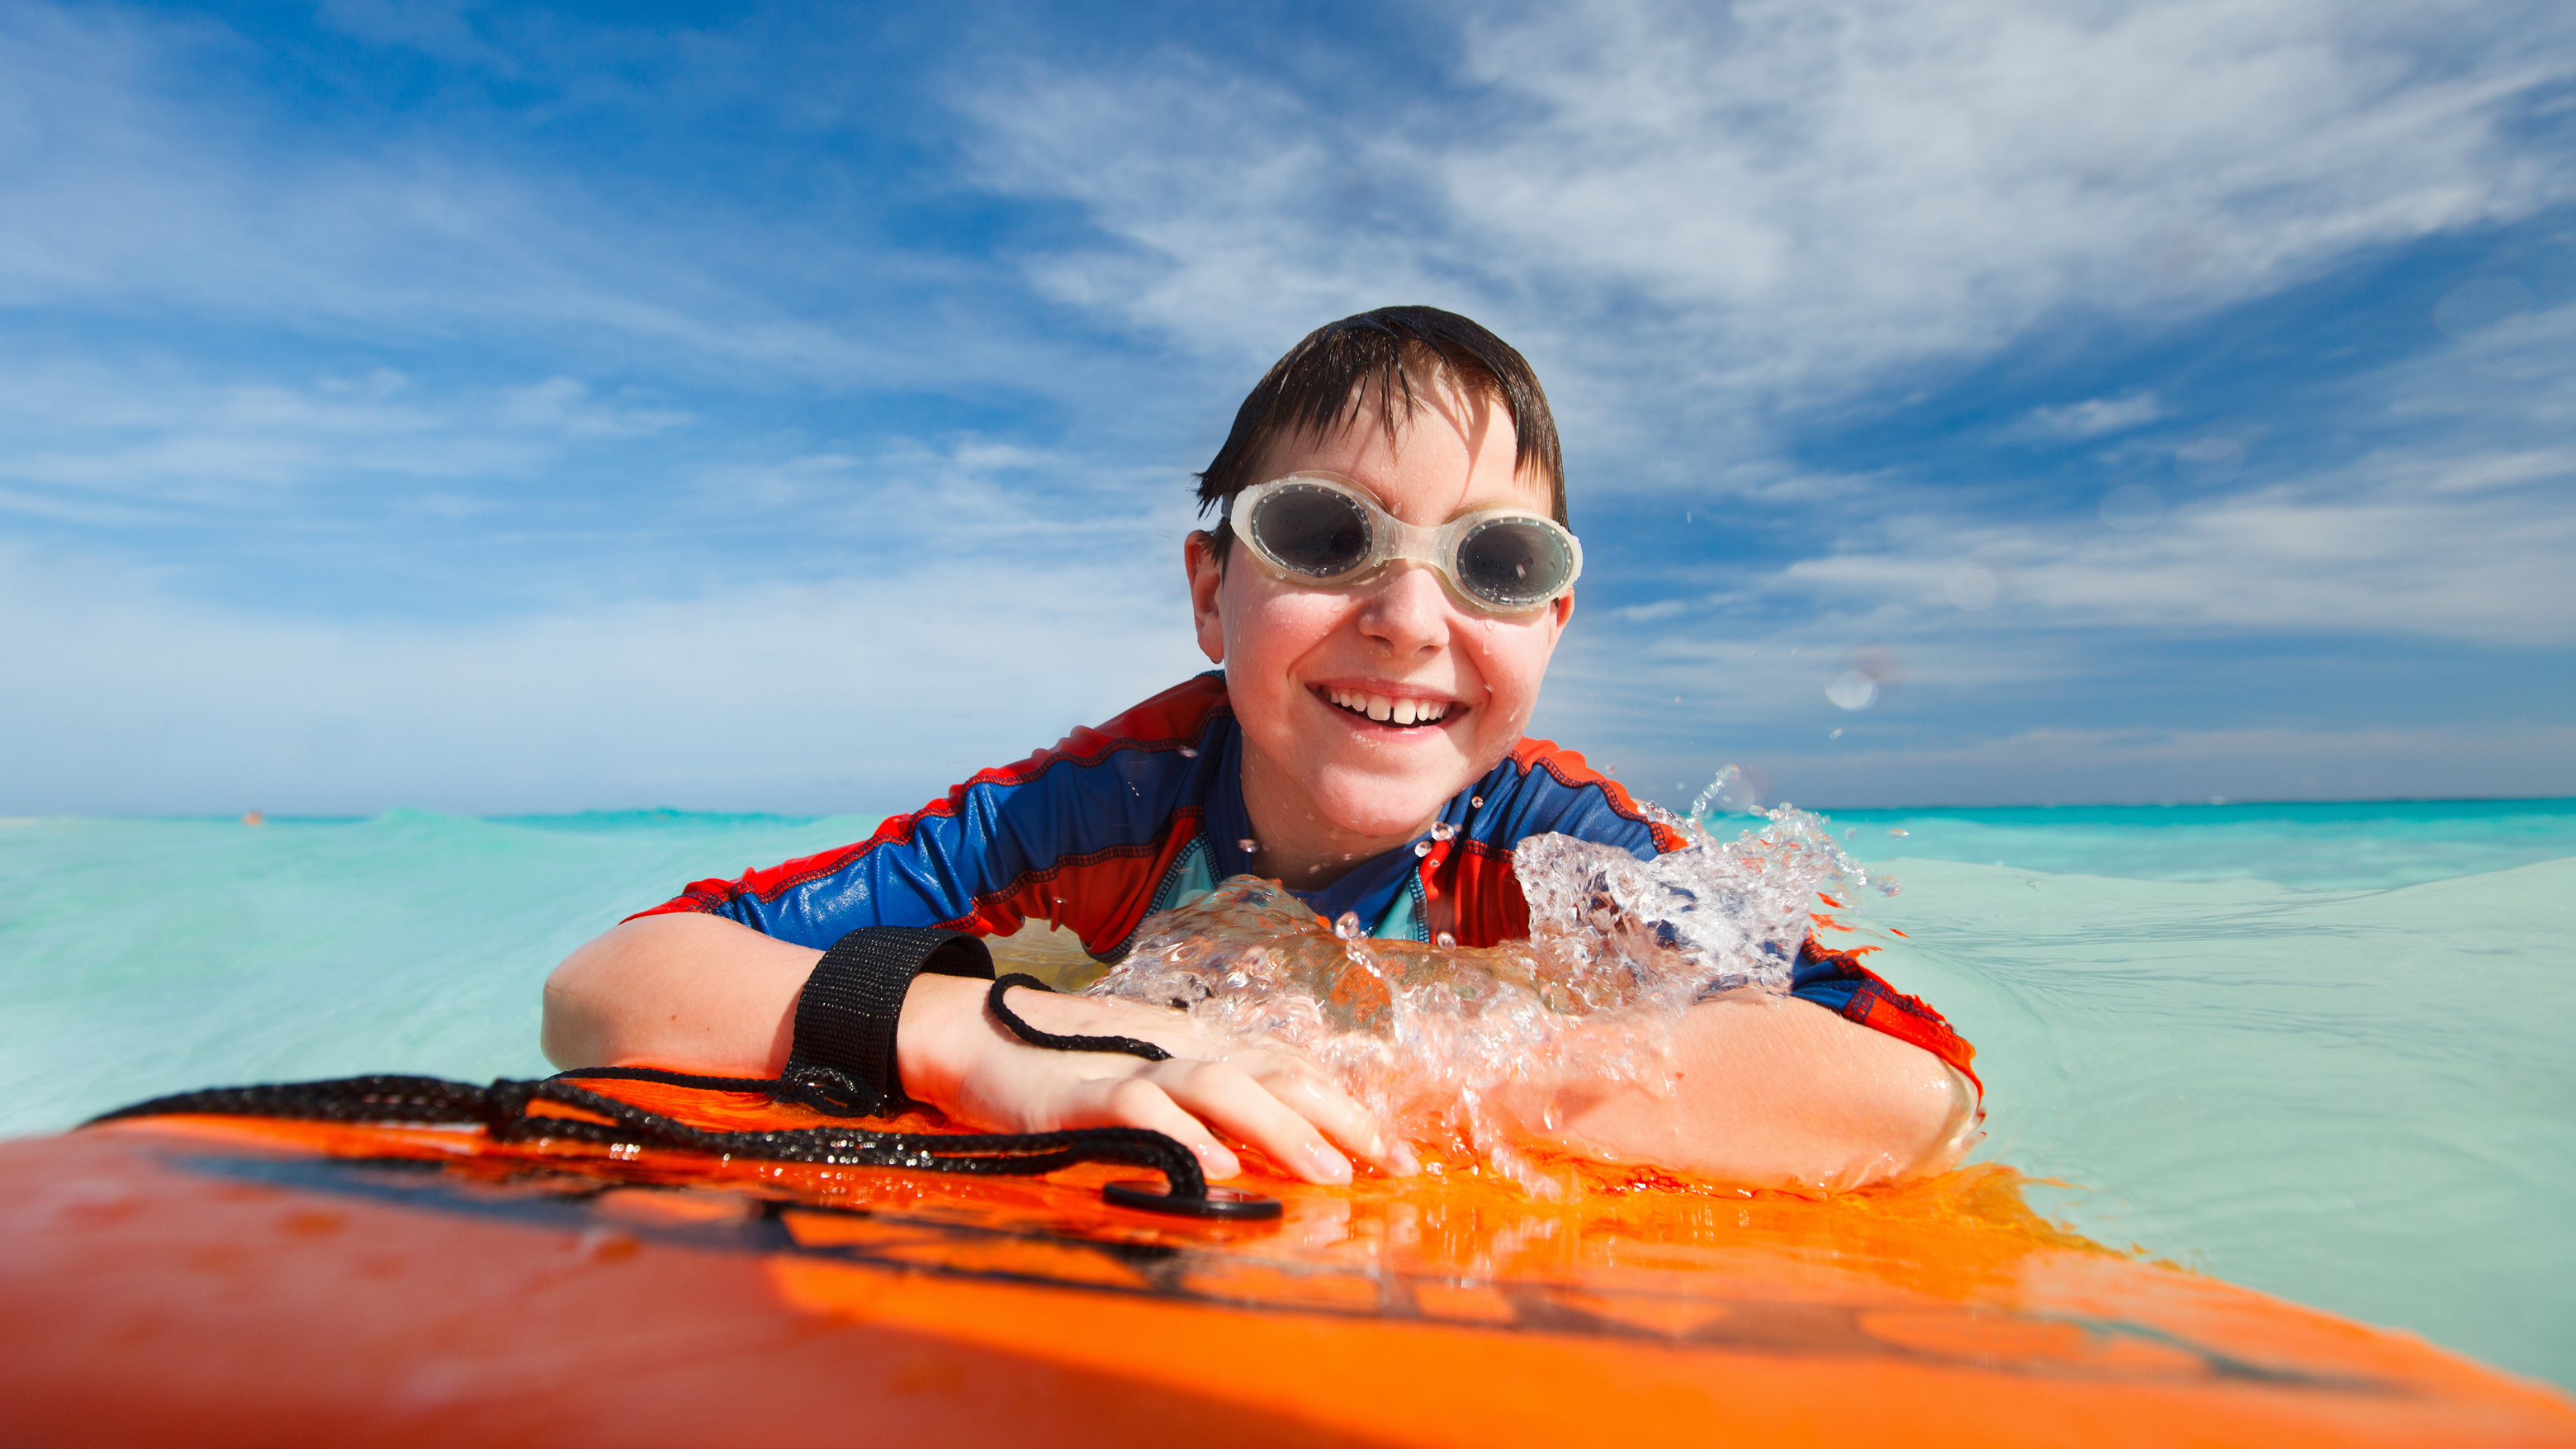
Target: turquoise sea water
point(2318, 1049)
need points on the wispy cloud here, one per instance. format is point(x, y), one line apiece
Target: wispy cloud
point(79, 432)
point(145, 178)
point(1780, 202)
point(2091, 418)
point(870, 693)
point(413, 443)
point(2458, 525)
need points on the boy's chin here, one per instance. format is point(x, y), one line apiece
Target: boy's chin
point(1378, 807)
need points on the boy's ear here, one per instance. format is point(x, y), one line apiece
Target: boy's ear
point(1198, 555)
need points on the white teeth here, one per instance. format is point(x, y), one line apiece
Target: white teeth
point(1388, 711)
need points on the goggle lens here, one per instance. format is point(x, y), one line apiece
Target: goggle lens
point(1319, 533)
point(1512, 563)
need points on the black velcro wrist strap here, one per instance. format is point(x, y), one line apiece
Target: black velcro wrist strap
point(846, 1015)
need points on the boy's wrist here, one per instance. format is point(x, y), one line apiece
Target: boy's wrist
point(936, 1033)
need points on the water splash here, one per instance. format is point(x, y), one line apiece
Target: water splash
point(1460, 1048)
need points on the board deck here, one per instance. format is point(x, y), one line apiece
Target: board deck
point(219, 1281)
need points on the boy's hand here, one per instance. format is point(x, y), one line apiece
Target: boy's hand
point(955, 1056)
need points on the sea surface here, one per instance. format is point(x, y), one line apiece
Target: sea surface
point(2321, 1050)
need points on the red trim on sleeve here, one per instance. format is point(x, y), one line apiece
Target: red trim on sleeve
point(1570, 769)
point(1909, 1019)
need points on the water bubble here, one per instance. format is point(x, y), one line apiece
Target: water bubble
point(1970, 588)
point(1422, 847)
point(1852, 690)
point(1443, 830)
point(1475, 802)
point(1838, 734)
point(2205, 461)
point(1188, 754)
point(1900, 833)
point(1347, 926)
point(1445, 941)
point(1734, 791)
point(2474, 306)
point(1250, 846)
point(2131, 506)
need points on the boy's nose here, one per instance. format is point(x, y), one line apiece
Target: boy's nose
point(1406, 609)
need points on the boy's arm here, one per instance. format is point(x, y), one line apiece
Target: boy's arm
point(701, 993)
point(1775, 1092)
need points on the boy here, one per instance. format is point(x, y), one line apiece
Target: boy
point(1382, 634)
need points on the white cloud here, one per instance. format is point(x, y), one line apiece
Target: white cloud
point(869, 693)
point(140, 184)
point(80, 438)
point(1719, 209)
point(2068, 766)
point(2461, 528)
point(2091, 418)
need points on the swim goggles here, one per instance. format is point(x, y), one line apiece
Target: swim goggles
point(1320, 530)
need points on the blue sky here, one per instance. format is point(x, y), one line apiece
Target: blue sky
point(524, 408)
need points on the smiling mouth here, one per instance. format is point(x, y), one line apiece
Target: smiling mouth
point(1402, 713)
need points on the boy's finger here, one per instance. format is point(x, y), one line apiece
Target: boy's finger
point(1136, 1102)
point(1231, 1101)
point(1306, 1091)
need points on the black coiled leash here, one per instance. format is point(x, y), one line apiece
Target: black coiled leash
point(842, 1065)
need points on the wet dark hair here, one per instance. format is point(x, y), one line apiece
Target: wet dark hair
point(1325, 380)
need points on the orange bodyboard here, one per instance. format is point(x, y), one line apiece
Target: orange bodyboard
point(252, 1281)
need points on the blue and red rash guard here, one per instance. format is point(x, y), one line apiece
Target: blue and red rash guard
point(1146, 813)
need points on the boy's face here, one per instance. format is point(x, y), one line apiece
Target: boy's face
point(1290, 650)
